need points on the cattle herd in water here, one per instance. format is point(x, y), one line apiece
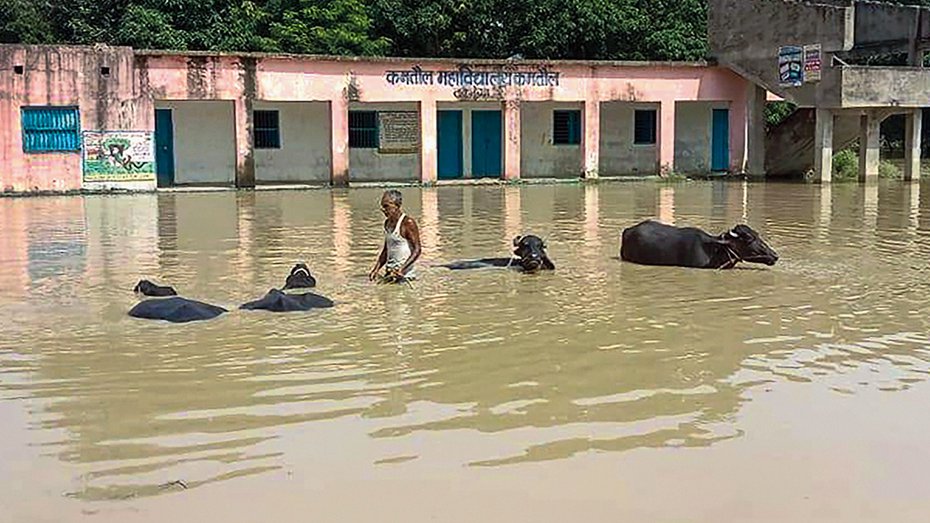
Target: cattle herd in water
point(647, 243)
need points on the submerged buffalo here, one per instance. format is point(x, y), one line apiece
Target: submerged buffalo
point(529, 254)
point(279, 301)
point(176, 310)
point(169, 307)
point(654, 243)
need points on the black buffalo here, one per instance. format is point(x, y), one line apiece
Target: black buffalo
point(175, 309)
point(279, 301)
point(147, 288)
point(529, 254)
point(300, 278)
point(654, 243)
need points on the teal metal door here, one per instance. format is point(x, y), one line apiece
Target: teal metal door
point(164, 148)
point(449, 138)
point(486, 144)
point(720, 141)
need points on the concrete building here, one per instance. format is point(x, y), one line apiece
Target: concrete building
point(812, 53)
point(89, 118)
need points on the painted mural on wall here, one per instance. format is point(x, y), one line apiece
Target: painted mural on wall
point(118, 156)
point(474, 83)
point(812, 63)
point(790, 65)
point(398, 131)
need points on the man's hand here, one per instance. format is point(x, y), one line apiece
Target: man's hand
point(393, 275)
point(373, 275)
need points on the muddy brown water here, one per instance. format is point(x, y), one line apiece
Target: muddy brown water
point(604, 391)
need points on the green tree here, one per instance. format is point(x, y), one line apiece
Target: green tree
point(338, 27)
point(25, 21)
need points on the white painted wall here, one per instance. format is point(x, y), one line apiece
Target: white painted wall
point(618, 155)
point(306, 150)
point(693, 128)
point(204, 141)
point(370, 165)
point(539, 157)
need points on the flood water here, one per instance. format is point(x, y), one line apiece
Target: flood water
point(602, 392)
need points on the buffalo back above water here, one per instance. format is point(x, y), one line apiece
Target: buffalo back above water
point(175, 309)
point(655, 243)
point(277, 301)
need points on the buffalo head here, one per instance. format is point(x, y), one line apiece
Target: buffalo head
point(147, 288)
point(530, 252)
point(300, 278)
point(748, 245)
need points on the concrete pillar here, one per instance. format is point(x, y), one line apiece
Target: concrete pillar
point(869, 146)
point(591, 139)
point(245, 147)
point(755, 140)
point(912, 143)
point(429, 161)
point(339, 134)
point(823, 146)
point(512, 140)
point(666, 137)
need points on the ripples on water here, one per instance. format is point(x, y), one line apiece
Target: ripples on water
point(599, 356)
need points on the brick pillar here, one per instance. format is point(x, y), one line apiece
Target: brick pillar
point(429, 161)
point(339, 133)
point(512, 140)
point(245, 147)
point(666, 136)
point(591, 139)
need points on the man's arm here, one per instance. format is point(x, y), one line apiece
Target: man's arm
point(411, 233)
point(382, 259)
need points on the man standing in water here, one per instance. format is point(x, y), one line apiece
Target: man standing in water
point(401, 241)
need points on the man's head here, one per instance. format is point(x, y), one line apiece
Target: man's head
point(391, 202)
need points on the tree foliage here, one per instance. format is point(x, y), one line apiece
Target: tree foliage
point(582, 29)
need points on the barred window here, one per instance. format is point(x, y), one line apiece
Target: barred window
point(644, 127)
point(363, 129)
point(566, 127)
point(267, 131)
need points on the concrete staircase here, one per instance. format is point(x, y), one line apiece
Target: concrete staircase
point(789, 147)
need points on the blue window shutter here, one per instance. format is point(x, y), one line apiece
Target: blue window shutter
point(51, 129)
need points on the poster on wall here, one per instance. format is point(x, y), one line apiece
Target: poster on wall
point(790, 65)
point(812, 63)
point(398, 132)
point(118, 156)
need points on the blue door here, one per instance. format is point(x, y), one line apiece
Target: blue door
point(720, 141)
point(449, 138)
point(164, 147)
point(486, 144)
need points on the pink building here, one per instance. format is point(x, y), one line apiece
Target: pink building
point(96, 118)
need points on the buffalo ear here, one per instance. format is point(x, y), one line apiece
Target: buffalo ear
point(547, 263)
point(516, 240)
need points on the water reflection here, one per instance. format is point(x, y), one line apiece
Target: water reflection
point(600, 355)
